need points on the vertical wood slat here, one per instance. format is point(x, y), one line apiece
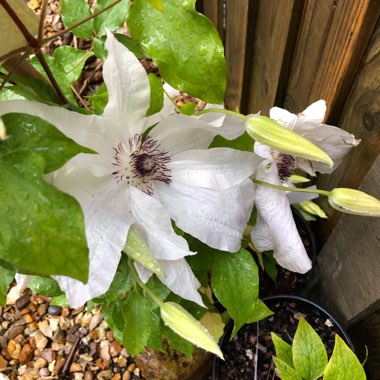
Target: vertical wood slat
point(360, 116)
point(213, 9)
point(273, 31)
point(236, 43)
point(331, 42)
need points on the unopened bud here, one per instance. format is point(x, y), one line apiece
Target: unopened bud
point(295, 178)
point(275, 135)
point(186, 326)
point(313, 209)
point(355, 202)
point(138, 250)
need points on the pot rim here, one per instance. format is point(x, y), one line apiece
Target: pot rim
point(228, 328)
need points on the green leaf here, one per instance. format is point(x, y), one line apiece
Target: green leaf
point(111, 19)
point(243, 142)
point(259, 311)
point(41, 228)
point(285, 371)
point(99, 47)
point(113, 314)
point(188, 108)
point(6, 277)
point(99, 100)
point(270, 265)
point(121, 284)
point(156, 95)
point(184, 44)
point(343, 364)
point(137, 312)
point(34, 89)
point(157, 4)
point(309, 353)
point(45, 286)
point(283, 350)
point(131, 44)
point(66, 65)
point(235, 282)
point(73, 13)
point(60, 301)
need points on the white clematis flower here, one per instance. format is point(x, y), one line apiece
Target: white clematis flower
point(147, 182)
point(275, 228)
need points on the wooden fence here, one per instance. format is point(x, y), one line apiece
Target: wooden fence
point(291, 53)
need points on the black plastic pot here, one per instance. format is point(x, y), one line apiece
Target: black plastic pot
point(245, 341)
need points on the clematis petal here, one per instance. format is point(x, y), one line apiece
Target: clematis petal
point(217, 168)
point(334, 141)
point(190, 133)
point(154, 222)
point(86, 130)
point(107, 220)
point(217, 218)
point(180, 280)
point(128, 90)
point(275, 228)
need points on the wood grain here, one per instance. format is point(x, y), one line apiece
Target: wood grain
point(236, 44)
point(273, 33)
point(350, 261)
point(330, 46)
point(213, 9)
point(360, 116)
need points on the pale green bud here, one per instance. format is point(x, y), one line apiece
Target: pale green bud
point(275, 135)
point(294, 178)
point(186, 326)
point(138, 250)
point(312, 208)
point(355, 202)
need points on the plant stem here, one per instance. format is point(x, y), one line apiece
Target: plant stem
point(172, 100)
point(222, 110)
point(142, 285)
point(11, 71)
point(42, 20)
point(50, 75)
point(295, 189)
point(79, 23)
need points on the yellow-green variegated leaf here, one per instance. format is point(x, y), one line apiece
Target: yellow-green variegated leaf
point(186, 326)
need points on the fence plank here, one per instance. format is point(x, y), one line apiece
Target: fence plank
point(213, 9)
point(276, 22)
point(236, 43)
point(349, 262)
point(360, 116)
point(331, 43)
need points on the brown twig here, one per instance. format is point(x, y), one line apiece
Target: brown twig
point(50, 75)
point(80, 98)
point(66, 368)
point(79, 23)
point(42, 21)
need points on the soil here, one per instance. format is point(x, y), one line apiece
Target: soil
point(253, 343)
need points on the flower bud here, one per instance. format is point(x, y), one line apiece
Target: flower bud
point(186, 326)
point(355, 202)
point(295, 178)
point(313, 209)
point(137, 249)
point(275, 135)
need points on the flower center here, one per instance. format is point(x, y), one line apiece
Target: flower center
point(285, 165)
point(140, 163)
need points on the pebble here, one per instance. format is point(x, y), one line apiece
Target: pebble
point(26, 354)
point(28, 318)
point(14, 331)
point(54, 310)
point(115, 348)
point(126, 375)
point(54, 323)
point(23, 301)
point(40, 363)
point(88, 375)
point(95, 321)
point(41, 340)
point(3, 362)
point(44, 372)
point(41, 310)
point(104, 350)
point(45, 328)
point(75, 367)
